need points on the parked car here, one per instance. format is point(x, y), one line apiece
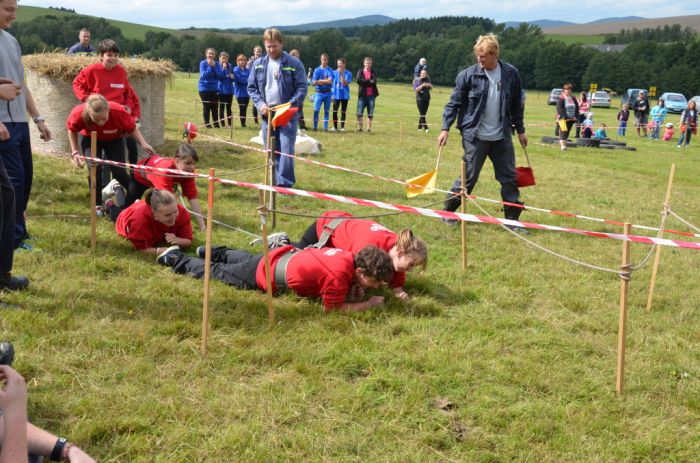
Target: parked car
point(554, 96)
point(696, 99)
point(675, 102)
point(631, 94)
point(599, 99)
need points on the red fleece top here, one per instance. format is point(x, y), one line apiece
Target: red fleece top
point(119, 123)
point(136, 223)
point(160, 181)
point(113, 85)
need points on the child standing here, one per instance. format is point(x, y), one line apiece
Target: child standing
point(622, 118)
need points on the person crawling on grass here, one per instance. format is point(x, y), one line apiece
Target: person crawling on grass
point(338, 277)
point(339, 229)
point(156, 220)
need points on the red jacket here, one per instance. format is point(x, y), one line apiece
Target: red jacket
point(113, 85)
point(356, 234)
point(326, 273)
point(162, 182)
point(136, 223)
point(119, 123)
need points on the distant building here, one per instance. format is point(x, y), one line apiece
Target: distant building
point(609, 48)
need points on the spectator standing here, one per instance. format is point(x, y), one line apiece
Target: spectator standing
point(641, 113)
point(240, 86)
point(322, 80)
point(210, 73)
point(278, 78)
point(689, 123)
point(422, 65)
point(17, 167)
point(224, 90)
point(367, 82)
point(257, 53)
point(622, 117)
point(583, 107)
point(341, 93)
point(83, 46)
point(658, 115)
point(422, 87)
point(486, 103)
point(568, 114)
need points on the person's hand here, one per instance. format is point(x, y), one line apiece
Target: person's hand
point(77, 159)
point(375, 301)
point(401, 294)
point(4, 133)
point(171, 239)
point(148, 148)
point(9, 90)
point(76, 455)
point(44, 131)
point(356, 293)
point(13, 390)
point(202, 225)
point(523, 139)
point(263, 110)
point(442, 138)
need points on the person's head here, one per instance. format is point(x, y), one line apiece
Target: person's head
point(691, 104)
point(273, 43)
point(341, 63)
point(257, 51)
point(423, 74)
point(372, 267)
point(367, 63)
point(566, 89)
point(324, 60)
point(626, 107)
point(422, 62)
point(186, 157)
point(223, 58)
point(487, 51)
point(241, 60)
point(210, 54)
point(410, 252)
point(660, 103)
point(8, 13)
point(109, 53)
point(163, 206)
point(84, 37)
point(641, 95)
point(96, 110)
point(602, 125)
point(669, 125)
point(295, 53)
point(583, 96)
point(590, 115)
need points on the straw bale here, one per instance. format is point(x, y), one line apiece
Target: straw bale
point(50, 77)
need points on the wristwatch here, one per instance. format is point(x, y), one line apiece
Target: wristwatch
point(38, 119)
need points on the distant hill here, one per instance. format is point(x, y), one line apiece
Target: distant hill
point(371, 20)
point(541, 22)
point(599, 28)
point(615, 20)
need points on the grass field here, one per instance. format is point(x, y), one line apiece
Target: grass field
point(512, 360)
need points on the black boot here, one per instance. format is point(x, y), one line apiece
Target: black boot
point(452, 203)
point(513, 213)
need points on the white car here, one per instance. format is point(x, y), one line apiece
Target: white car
point(599, 99)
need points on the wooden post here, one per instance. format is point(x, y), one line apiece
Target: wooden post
point(93, 191)
point(207, 262)
point(464, 211)
point(266, 252)
point(657, 257)
point(271, 141)
point(622, 329)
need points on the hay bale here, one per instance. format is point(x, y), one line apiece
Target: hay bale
point(50, 77)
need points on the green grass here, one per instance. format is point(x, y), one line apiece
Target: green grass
point(578, 39)
point(522, 344)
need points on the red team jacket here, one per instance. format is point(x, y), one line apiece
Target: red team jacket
point(356, 234)
point(136, 223)
point(119, 123)
point(161, 182)
point(113, 85)
point(326, 273)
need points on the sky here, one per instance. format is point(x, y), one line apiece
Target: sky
point(224, 14)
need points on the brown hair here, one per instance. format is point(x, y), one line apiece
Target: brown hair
point(185, 151)
point(241, 56)
point(272, 35)
point(95, 104)
point(223, 53)
point(410, 244)
point(375, 263)
point(107, 45)
point(159, 198)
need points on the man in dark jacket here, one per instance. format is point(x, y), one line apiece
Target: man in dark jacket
point(641, 112)
point(486, 103)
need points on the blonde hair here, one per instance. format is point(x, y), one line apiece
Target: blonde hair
point(410, 244)
point(159, 198)
point(487, 44)
point(272, 35)
point(95, 104)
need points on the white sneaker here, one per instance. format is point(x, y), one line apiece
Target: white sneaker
point(342, 129)
point(108, 191)
point(427, 131)
point(332, 129)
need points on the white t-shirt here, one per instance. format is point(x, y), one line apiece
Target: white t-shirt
point(490, 125)
point(272, 89)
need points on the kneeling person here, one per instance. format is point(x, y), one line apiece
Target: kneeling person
point(338, 277)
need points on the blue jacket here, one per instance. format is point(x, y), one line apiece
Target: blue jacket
point(340, 91)
point(209, 77)
point(240, 81)
point(225, 86)
point(468, 100)
point(292, 81)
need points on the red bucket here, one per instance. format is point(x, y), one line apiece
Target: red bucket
point(524, 176)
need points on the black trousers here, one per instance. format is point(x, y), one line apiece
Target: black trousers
point(210, 107)
point(233, 267)
point(225, 107)
point(112, 150)
point(422, 111)
point(243, 108)
point(343, 112)
point(7, 220)
point(309, 238)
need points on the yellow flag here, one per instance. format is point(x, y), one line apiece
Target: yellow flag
point(562, 125)
point(422, 184)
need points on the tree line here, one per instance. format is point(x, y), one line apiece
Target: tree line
point(664, 34)
point(446, 42)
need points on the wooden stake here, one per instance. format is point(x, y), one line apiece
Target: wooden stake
point(207, 262)
point(93, 191)
point(271, 196)
point(266, 252)
point(464, 211)
point(622, 329)
point(657, 257)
